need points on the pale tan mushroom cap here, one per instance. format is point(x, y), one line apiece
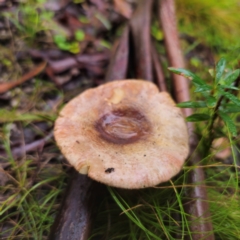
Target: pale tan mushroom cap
point(124, 133)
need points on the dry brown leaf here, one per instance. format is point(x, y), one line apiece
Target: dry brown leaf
point(123, 8)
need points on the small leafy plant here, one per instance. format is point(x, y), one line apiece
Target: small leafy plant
point(72, 46)
point(31, 18)
point(219, 98)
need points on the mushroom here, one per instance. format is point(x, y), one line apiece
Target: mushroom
point(124, 133)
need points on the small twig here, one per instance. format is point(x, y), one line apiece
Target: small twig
point(32, 146)
point(23, 149)
point(118, 65)
point(4, 87)
point(158, 71)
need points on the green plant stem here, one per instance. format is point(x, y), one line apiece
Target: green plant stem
point(208, 141)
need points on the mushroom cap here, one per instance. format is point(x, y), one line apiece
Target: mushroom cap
point(124, 133)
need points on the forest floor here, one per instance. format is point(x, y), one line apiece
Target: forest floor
point(51, 51)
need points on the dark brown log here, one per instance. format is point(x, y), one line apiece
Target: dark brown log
point(140, 30)
point(198, 207)
point(74, 219)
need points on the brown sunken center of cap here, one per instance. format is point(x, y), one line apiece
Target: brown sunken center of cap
point(123, 126)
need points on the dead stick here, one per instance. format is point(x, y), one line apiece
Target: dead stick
point(158, 71)
point(118, 66)
point(20, 151)
point(4, 87)
point(140, 29)
point(199, 208)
